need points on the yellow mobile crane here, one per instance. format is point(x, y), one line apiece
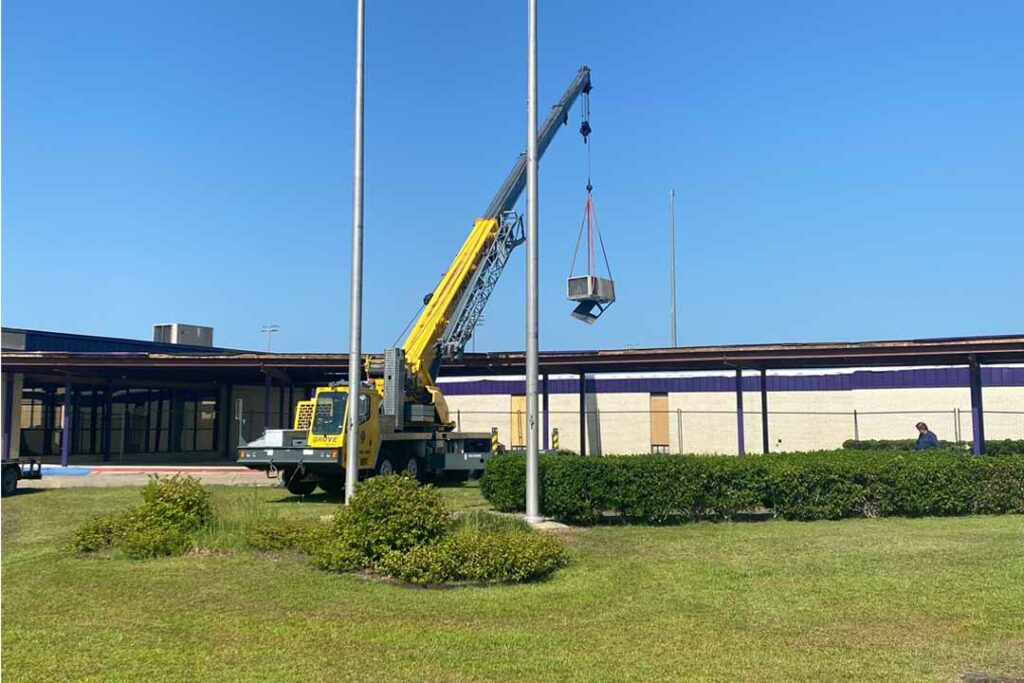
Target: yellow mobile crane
point(404, 417)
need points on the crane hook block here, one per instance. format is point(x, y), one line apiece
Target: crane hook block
point(585, 130)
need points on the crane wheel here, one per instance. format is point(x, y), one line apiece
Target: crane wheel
point(300, 488)
point(385, 465)
point(333, 486)
point(414, 468)
point(10, 480)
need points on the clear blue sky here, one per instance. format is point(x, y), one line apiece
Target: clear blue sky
point(843, 172)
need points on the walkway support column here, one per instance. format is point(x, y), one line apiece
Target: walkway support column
point(291, 407)
point(65, 431)
point(740, 441)
point(268, 386)
point(764, 411)
point(108, 420)
point(583, 413)
point(977, 410)
point(8, 413)
point(224, 421)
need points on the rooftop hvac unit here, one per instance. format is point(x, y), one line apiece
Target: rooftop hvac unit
point(180, 333)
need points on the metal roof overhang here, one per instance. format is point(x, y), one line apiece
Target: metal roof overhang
point(252, 368)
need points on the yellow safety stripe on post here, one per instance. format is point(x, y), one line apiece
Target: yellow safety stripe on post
point(494, 440)
point(554, 439)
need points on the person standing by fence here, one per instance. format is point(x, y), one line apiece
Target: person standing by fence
point(926, 439)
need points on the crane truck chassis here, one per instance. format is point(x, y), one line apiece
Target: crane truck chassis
point(404, 420)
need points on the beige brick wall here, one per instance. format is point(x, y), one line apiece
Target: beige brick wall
point(799, 420)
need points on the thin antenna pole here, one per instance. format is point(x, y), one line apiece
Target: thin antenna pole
point(672, 261)
point(355, 354)
point(532, 364)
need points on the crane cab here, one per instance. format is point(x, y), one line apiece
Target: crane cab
point(329, 415)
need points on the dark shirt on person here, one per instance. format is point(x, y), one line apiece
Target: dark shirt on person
point(927, 440)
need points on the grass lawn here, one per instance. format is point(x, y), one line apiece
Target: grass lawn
point(893, 600)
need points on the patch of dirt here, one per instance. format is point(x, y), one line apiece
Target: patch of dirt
point(982, 677)
point(208, 552)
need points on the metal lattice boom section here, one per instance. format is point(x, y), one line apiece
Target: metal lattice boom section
point(484, 279)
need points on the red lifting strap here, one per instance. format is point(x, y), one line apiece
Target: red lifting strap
point(589, 222)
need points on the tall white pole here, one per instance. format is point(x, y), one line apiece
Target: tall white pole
point(672, 259)
point(532, 364)
point(355, 354)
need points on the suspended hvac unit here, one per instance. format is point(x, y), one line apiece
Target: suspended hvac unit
point(592, 293)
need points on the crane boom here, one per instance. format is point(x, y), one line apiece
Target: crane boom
point(453, 310)
point(510, 190)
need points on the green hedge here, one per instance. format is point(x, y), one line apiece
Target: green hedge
point(992, 446)
point(825, 485)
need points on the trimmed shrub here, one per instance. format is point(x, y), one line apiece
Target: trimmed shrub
point(1004, 447)
point(477, 556)
point(504, 482)
point(392, 513)
point(177, 501)
point(826, 485)
point(992, 447)
point(95, 534)
point(172, 508)
point(398, 528)
point(338, 555)
point(139, 538)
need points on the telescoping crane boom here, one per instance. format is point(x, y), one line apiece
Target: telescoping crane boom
point(407, 423)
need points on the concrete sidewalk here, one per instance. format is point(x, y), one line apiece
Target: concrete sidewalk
point(56, 477)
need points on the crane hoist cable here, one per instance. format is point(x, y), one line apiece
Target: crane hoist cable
point(591, 291)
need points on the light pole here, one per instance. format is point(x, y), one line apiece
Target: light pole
point(355, 354)
point(269, 330)
point(479, 323)
point(532, 360)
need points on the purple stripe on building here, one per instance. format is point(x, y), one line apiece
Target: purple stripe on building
point(863, 379)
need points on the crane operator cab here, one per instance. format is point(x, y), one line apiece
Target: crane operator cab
point(313, 452)
point(330, 418)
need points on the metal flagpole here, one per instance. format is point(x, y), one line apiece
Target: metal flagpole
point(532, 365)
point(355, 354)
point(672, 259)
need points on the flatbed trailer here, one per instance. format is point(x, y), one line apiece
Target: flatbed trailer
point(16, 469)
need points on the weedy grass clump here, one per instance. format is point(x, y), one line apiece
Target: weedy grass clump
point(173, 509)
